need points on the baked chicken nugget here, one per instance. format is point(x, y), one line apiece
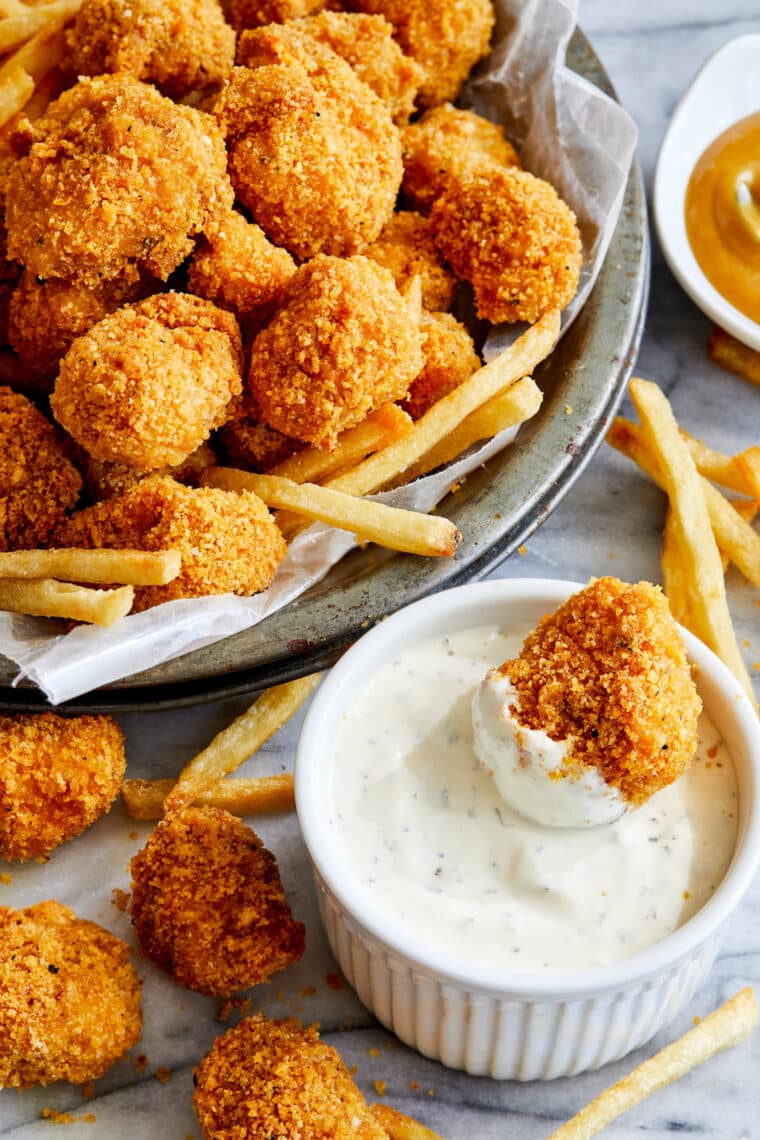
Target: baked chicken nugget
point(208, 905)
point(342, 344)
point(450, 359)
point(57, 776)
point(69, 998)
point(116, 180)
point(406, 247)
point(276, 1079)
point(447, 38)
point(513, 238)
point(255, 13)
point(228, 541)
point(38, 484)
point(256, 446)
point(149, 383)
point(106, 480)
point(313, 152)
point(179, 45)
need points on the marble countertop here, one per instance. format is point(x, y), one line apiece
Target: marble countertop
point(610, 523)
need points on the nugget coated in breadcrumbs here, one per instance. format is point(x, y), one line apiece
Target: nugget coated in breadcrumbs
point(450, 359)
point(343, 343)
point(513, 238)
point(228, 541)
point(406, 247)
point(609, 671)
point(57, 776)
point(275, 1079)
point(117, 180)
point(179, 45)
point(445, 143)
point(69, 997)
point(208, 905)
point(106, 480)
point(255, 446)
point(255, 13)
point(38, 484)
point(149, 383)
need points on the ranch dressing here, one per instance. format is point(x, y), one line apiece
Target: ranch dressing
point(424, 828)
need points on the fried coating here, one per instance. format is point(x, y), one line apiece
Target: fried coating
point(342, 344)
point(57, 776)
point(313, 152)
point(276, 1079)
point(239, 269)
point(38, 484)
point(180, 45)
point(106, 480)
point(208, 905)
point(228, 541)
point(406, 247)
point(46, 316)
point(256, 13)
point(513, 238)
point(69, 998)
point(117, 180)
point(447, 38)
point(367, 45)
point(149, 383)
point(609, 671)
point(255, 446)
point(444, 144)
point(450, 359)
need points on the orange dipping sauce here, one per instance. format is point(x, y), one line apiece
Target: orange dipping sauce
point(723, 214)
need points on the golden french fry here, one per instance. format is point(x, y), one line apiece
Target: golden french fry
point(674, 575)
point(42, 53)
point(21, 26)
point(127, 567)
point(734, 356)
point(234, 744)
point(748, 462)
point(407, 531)
point(688, 493)
point(519, 360)
point(44, 597)
point(723, 469)
point(727, 1026)
point(15, 92)
point(144, 799)
point(379, 429)
point(398, 1126)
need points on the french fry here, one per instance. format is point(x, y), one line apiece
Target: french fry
point(748, 462)
point(723, 469)
point(687, 492)
point(15, 92)
point(38, 56)
point(674, 575)
point(399, 1126)
point(44, 597)
point(727, 1026)
point(127, 567)
point(21, 26)
point(380, 428)
point(234, 744)
point(731, 354)
point(144, 799)
point(407, 531)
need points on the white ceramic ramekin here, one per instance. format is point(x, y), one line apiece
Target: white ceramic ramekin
point(506, 1023)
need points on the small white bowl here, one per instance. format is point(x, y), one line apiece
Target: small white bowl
point(724, 90)
point(501, 1022)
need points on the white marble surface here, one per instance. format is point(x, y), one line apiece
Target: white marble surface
point(611, 522)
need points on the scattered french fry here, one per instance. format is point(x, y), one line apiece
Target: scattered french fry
point(727, 1026)
point(399, 1126)
point(15, 93)
point(44, 597)
point(144, 799)
point(748, 462)
point(232, 747)
point(731, 354)
point(381, 427)
point(38, 56)
point(723, 469)
point(22, 25)
point(407, 531)
point(674, 574)
point(126, 567)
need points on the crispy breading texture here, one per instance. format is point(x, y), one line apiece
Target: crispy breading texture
point(228, 542)
point(149, 383)
point(208, 904)
point(367, 45)
point(342, 344)
point(256, 446)
point(513, 238)
point(609, 670)
point(406, 247)
point(255, 13)
point(69, 998)
point(450, 359)
point(117, 179)
point(276, 1079)
point(38, 484)
point(445, 143)
point(180, 45)
point(57, 776)
point(313, 152)
point(106, 480)
point(447, 38)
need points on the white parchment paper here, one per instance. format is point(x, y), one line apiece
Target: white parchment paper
point(568, 132)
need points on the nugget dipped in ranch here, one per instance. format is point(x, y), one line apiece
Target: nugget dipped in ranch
point(597, 713)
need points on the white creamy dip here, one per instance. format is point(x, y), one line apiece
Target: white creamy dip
point(424, 827)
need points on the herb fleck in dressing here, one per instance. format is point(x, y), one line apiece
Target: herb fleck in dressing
point(425, 828)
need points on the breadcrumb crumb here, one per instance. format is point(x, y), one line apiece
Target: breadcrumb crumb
point(407, 249)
